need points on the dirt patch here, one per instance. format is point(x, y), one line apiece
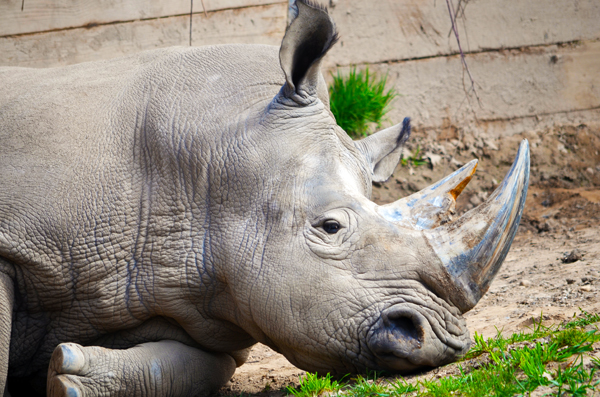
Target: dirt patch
point(562, 214)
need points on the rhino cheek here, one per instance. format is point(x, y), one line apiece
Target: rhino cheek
point(308, 312)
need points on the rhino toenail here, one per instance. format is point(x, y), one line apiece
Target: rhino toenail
point(73, 360)
point(72, 392)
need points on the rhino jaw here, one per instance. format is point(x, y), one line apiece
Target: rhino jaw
point(472, 248)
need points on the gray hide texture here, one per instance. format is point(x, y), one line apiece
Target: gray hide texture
point(163, 212)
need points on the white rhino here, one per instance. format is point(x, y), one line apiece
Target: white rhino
point(163, 212)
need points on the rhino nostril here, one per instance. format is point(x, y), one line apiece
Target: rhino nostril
point(398, 333)
point(404, 328)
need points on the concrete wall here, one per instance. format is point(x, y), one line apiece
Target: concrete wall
point(49, 33)
point(536, 63)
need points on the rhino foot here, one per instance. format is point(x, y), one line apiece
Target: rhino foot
point(63, 386)
point(150, 369)
point(77, 371)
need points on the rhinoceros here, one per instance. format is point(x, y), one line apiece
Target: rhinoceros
point(163, 212)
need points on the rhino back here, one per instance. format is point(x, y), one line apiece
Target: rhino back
point(93, 200)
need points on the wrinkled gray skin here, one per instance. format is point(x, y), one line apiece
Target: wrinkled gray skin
point(161, 213)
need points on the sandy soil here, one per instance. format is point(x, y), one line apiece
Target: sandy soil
point(562, 215)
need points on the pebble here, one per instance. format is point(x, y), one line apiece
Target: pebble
point(475, 200)
point(434, 159)
point(588, 280)
point(586, 288)
point(525, 283)
point(573, 256)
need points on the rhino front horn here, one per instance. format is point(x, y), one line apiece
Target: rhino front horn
point(473, 247)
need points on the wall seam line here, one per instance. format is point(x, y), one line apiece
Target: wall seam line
point(93, 25)
point(483, 51)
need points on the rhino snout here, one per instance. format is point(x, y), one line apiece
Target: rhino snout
point(403, 340)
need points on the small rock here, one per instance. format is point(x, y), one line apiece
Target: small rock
point(475, 200)
point(590, 170)
point(490, 144)
point(588, 280)
point(525, 283)
point(561, 148)
point(412, 187)
point(586, 288)
point(441, 149)
point(549, 225)
point(573, 256)
point(434, 159)
point(570, 281)
point(456, 163)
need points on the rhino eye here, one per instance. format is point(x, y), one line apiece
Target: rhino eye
point(331, 227)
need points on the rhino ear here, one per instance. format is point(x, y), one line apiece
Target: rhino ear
point(308, 37)
point(383, 149)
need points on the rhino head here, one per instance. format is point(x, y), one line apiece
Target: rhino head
point(339, 283)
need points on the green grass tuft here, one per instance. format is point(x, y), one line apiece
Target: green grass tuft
point(312, 385)
point(415, 159)
point(359, 100)
point(550, 357)
point(583, 319)
point(369, 386)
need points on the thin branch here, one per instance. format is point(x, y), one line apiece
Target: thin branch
point(191, 12)
point(460, 11)
point(462, 54)
point(22, 5)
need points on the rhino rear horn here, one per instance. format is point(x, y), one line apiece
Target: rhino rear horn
point(308, 38)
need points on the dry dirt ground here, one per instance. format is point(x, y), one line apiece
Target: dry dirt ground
point(562, 214)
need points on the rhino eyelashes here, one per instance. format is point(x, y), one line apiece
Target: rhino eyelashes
point(331, 226)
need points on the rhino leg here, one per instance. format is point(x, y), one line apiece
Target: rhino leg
point(165, 368)
point(6, 307)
